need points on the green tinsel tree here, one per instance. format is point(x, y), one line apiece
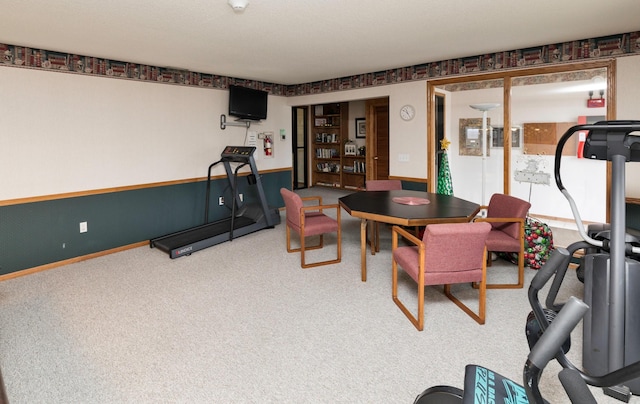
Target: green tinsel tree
point(445, 185)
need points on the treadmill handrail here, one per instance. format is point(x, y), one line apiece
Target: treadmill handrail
point(206, 203)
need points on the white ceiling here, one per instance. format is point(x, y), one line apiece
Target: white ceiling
point(300, 41)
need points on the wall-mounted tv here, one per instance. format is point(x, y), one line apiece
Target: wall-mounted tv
point(247, 103)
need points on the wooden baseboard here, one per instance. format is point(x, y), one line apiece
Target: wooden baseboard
point(57, 264)
point(558, 219)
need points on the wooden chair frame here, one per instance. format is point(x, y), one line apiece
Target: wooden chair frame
point(373, 238)
point(318, 207)
point(418, 322)
point(521, 222)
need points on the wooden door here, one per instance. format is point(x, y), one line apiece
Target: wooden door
point(377, 144)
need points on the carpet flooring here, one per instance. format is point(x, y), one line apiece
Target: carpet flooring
point(241, 322)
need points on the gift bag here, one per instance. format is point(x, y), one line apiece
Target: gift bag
point(538, 244)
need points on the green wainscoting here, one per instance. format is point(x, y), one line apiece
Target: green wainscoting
point(633, 216)
point(414, 186)
point(41, 233)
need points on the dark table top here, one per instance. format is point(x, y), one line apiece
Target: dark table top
point(379, 206)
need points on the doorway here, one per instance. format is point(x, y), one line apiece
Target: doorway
point(299, 145)
point(375, 142)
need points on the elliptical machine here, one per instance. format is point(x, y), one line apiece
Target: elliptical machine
point(482, 385)
point(610, 140)
point(611, 331)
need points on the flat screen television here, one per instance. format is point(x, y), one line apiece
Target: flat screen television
point(247, 103)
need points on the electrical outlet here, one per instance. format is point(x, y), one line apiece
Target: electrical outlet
point(221, 200)
point(83, 227)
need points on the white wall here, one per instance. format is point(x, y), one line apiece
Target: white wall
point(66, 132)
point(70, 133)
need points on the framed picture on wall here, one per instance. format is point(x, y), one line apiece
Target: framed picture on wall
point(361, 128)
point(497, 138)
point(471, 139)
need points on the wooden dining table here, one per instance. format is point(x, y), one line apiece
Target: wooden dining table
point(404, 208)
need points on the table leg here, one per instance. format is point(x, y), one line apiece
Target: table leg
point(363, 249)
point(373, 239)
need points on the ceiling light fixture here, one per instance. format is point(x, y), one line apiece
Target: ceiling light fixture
point(238, 5)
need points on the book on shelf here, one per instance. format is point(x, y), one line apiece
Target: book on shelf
point(326, 138)
point(328, 167)
point(323, 153)
point(328, 184)
point(358, 167)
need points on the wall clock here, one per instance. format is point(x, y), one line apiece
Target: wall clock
point(407, 112)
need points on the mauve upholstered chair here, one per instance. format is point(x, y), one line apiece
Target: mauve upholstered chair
point(379, 185)
point(507, 216)
point(310, 221)
point(448, 253)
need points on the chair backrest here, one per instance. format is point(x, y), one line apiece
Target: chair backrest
point(452, 247)
point(293, 204)
point(383, 185)
point(502, 205)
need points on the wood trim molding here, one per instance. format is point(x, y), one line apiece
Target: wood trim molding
point(57, 264)
point(44, 198)
point(409, 179)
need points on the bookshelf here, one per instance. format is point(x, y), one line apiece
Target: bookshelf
point(353, 172)
point(329, 134)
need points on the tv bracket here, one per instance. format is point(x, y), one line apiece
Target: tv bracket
point(224, 123)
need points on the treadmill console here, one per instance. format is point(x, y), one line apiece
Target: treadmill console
point(238, 153)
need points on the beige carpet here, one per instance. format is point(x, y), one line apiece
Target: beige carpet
point(241, 322)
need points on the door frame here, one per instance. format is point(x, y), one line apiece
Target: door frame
point(507, 77)
point(295, 124)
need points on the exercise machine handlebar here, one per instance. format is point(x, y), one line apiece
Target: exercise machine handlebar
point(608, 139)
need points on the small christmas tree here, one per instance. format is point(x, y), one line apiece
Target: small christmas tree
point(445, 185)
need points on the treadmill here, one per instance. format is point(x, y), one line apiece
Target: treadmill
point(244, 219)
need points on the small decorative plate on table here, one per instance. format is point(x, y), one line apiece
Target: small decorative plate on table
point(411, 200)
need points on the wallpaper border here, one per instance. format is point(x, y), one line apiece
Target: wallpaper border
point(586, 49)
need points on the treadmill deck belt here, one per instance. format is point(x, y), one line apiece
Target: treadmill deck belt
point(191, 236)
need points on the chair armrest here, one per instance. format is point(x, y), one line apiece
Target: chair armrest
point(318, 199)
point(500, 220)
point(320, 208)
point(396, 230)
